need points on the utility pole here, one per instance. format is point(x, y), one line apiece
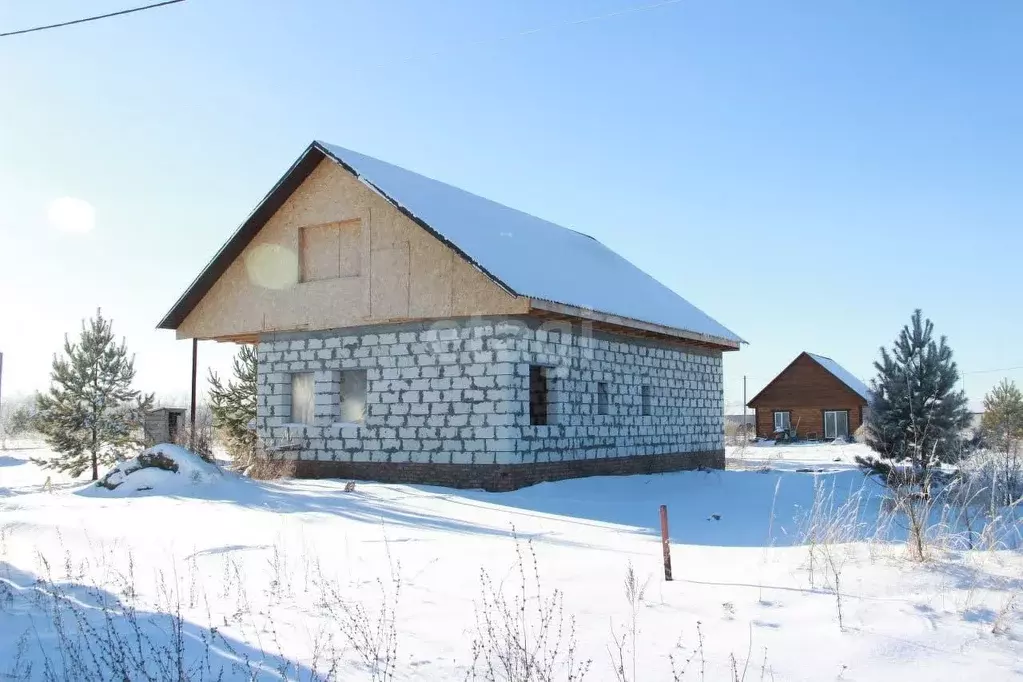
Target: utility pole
point(665, 542)
point(191, 417)
point(744, 407)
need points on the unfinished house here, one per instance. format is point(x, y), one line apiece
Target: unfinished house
point(410, 331)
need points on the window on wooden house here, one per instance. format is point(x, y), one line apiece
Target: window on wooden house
point(303, 398)
point(538, 395)
point(353, 396)
point(782, 421)
point(836, 424)
point(602, 399)
point(645, 399)
point(329, 251)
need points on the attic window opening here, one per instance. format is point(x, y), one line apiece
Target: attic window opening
point(329, 251)
point(538, 395)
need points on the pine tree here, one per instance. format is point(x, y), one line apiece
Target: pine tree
point(916, 414)
point(91, 415)
point(1003, 431)
point(1003, 415)
point(234, 405)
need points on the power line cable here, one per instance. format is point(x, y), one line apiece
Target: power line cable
point(92, 18)
point(997, 369)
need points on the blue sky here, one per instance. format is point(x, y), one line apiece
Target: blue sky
point(807, 173)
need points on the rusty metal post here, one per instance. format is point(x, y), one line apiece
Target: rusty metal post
point(665, 543)
point(195, 363)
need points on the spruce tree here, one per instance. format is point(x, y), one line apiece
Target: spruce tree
point(91, 415)
point(234, 405)
point(916, 412)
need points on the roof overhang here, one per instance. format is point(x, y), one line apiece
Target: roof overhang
point(539, 304)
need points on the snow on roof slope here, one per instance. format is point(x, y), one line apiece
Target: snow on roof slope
point(531, 256)
point(843, 375)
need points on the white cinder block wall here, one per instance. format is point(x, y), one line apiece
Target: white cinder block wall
point(458, 392)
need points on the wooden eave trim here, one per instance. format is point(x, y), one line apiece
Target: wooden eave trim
point(544, 305)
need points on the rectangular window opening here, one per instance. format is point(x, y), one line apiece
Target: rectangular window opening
point(836, 424)
point(353, 396)
point(601, 397)
point(319, 253)
point(782, 421)
point(644, 396)
point(303, 400)
point(329, 251)
point(538, 395)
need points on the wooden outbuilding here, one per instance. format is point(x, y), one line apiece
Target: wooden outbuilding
point(814, 398)
point(163, 424)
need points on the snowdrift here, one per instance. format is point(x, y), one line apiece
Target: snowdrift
point(161, 469)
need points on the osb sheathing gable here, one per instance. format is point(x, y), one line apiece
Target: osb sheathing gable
point(405, 273)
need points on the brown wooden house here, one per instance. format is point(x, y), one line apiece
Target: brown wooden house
point(814, 397)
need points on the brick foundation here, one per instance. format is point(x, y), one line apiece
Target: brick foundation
point(504, 477)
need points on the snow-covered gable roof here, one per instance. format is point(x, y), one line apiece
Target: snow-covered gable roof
point(530, 256)
point(843, 375)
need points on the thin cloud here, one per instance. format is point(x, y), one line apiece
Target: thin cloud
point(72, 215)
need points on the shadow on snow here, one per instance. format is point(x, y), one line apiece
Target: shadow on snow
point(67, 630)
point(718, 508)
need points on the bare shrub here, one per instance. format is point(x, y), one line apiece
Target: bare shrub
point(371, 633)
point(684, 661)
point(523, 638)
point(1000, 625)
point(280, 574)
point(270, 468)
point(827, 529)
point(17, 419)
point(624, 650)
point(110, 633)
point(990, 479)
point(681, 660)
point(957, 511)
point(99, 636)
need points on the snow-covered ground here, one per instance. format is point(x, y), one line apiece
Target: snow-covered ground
point(281, 572)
